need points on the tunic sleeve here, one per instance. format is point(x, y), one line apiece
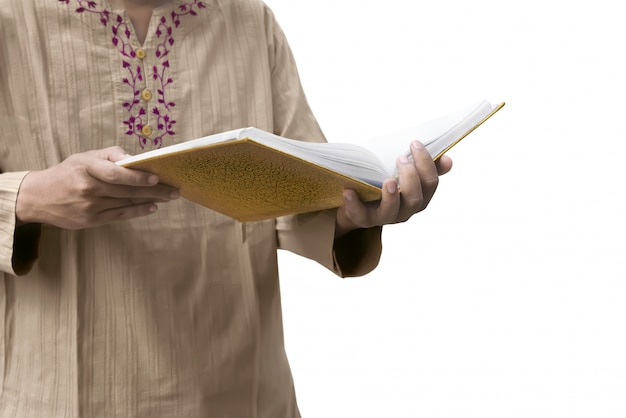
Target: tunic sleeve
point(312, 235)
point(18, 245)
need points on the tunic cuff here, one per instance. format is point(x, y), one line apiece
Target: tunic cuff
point(18, 245)
point(358, 252)
point(312, 235)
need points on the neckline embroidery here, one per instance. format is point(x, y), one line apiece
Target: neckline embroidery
point(149, 128)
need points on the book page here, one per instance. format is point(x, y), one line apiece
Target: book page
point(349, 159)
point(436, 134)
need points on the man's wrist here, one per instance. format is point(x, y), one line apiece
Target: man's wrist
point(23, 207)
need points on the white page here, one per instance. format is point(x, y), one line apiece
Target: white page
point(436, 134)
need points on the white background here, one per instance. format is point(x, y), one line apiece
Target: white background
point(507, 296)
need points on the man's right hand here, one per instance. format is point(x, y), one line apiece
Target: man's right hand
point(89, 189)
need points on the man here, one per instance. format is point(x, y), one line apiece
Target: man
point(118, 299)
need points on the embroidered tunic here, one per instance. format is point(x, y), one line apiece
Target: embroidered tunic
point(176, 314)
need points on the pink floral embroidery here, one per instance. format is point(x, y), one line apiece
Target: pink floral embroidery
point(134, 125)
point(137, 115)
point(90, 7)
point(165, 29)
point(164, 125)
point(135, 77)
point(121, 37)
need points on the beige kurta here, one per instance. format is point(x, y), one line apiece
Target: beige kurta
point(176, 314)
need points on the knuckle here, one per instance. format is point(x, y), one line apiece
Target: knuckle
point(385, 217)
point(111, 175)
point(404, 216)
point(415, 204)
point(134, 192)
point(116, 149)
point(122, 214)
point(432, 182)
point(84, 186)
point(89, 212)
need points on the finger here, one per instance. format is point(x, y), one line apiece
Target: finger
point(355, 210)
point(444, 164)
point(426, 169)
point(159, 192)
point(109, 172)
point(105, 211)
point(412, 198)
point(387, 210)
point(127, 212)
point(367, 215)
point(109, 203)
point(113, 154)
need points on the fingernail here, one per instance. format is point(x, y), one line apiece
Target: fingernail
point(416, 145)
point(153, 208)
point(403, 159)
point(392, 186)
point(153, 180)
point(175, 194)
point(348, 196)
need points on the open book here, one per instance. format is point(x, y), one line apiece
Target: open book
point(251, 175)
